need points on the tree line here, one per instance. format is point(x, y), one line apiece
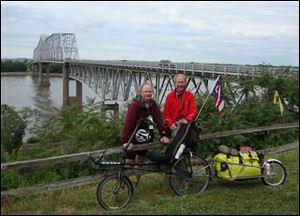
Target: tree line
point(15, 65)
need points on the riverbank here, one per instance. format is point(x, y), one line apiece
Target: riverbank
point(27, 73)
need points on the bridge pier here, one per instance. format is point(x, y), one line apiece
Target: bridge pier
point(34, 67)
point(74, 101)
point(44, 78)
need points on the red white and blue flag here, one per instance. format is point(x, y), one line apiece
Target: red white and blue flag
point(218, 94)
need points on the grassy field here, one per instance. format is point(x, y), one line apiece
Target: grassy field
point(154, 196)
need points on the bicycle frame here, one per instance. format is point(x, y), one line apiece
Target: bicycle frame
point(115, 190)
point(191, 173)
point(98, 163)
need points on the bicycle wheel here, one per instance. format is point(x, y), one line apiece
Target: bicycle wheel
point(189, 175)
point(275, 176)
point(114, 193)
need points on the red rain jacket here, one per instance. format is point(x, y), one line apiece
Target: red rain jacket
point(179, 105)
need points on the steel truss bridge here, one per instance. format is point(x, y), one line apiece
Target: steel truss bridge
point(57, 47)
point(120, 80)
point(116, 81)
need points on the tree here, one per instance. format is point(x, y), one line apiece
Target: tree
point(13, 66)
point(55, 68)
point(12, 130)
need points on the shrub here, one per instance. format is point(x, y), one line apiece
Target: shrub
point(12, 130)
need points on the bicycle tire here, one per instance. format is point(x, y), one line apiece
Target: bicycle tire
point(113, 194)
point(189, 175)
point(277, 175)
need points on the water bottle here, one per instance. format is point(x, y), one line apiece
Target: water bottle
point(268, 169)
point(179, 151)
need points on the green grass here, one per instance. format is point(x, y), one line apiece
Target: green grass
point(154, 196)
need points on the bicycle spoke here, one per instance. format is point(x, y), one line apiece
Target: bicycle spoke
point(190, 174)
point(111, 195)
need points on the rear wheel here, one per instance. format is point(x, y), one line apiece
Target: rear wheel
point(189, 175)
point(274, 175)
point(114, 192)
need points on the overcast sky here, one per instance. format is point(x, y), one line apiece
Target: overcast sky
point(203, 32)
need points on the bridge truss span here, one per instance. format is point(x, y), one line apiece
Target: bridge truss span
point(57, 47)
point(117, 83)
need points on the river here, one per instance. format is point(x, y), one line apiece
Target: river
point(23, 91)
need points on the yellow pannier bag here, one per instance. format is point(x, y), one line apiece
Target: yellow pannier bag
point(244, 165)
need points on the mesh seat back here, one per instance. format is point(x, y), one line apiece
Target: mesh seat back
point(179, 138)
point(182, 136)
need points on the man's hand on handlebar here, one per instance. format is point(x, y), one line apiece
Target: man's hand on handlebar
point(128, 147)
point(183, 121)
point(175, 125)
point(165, 140)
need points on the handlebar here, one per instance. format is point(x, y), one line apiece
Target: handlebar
point(96, 160)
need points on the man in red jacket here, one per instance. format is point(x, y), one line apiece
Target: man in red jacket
point(180, 104)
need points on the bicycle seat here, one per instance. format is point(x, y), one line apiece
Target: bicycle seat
point(186, 134)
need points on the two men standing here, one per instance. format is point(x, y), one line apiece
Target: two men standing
point(179, 107)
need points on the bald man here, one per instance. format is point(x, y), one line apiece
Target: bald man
point(180, 104)
point(141, 108)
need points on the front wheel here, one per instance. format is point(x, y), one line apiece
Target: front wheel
point(114, 192)
point(274, 173)
point(189, 175)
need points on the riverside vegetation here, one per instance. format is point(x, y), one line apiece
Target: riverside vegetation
point(21, 65)
point(92, 129)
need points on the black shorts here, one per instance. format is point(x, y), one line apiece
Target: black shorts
point(132, 154)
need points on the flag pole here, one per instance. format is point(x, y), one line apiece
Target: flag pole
point(202, 107)
point(207, 98)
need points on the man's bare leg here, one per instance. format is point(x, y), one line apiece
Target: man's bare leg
point(138, 159)
point(129, 161)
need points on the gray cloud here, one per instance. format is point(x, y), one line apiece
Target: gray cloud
point(225, 32)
